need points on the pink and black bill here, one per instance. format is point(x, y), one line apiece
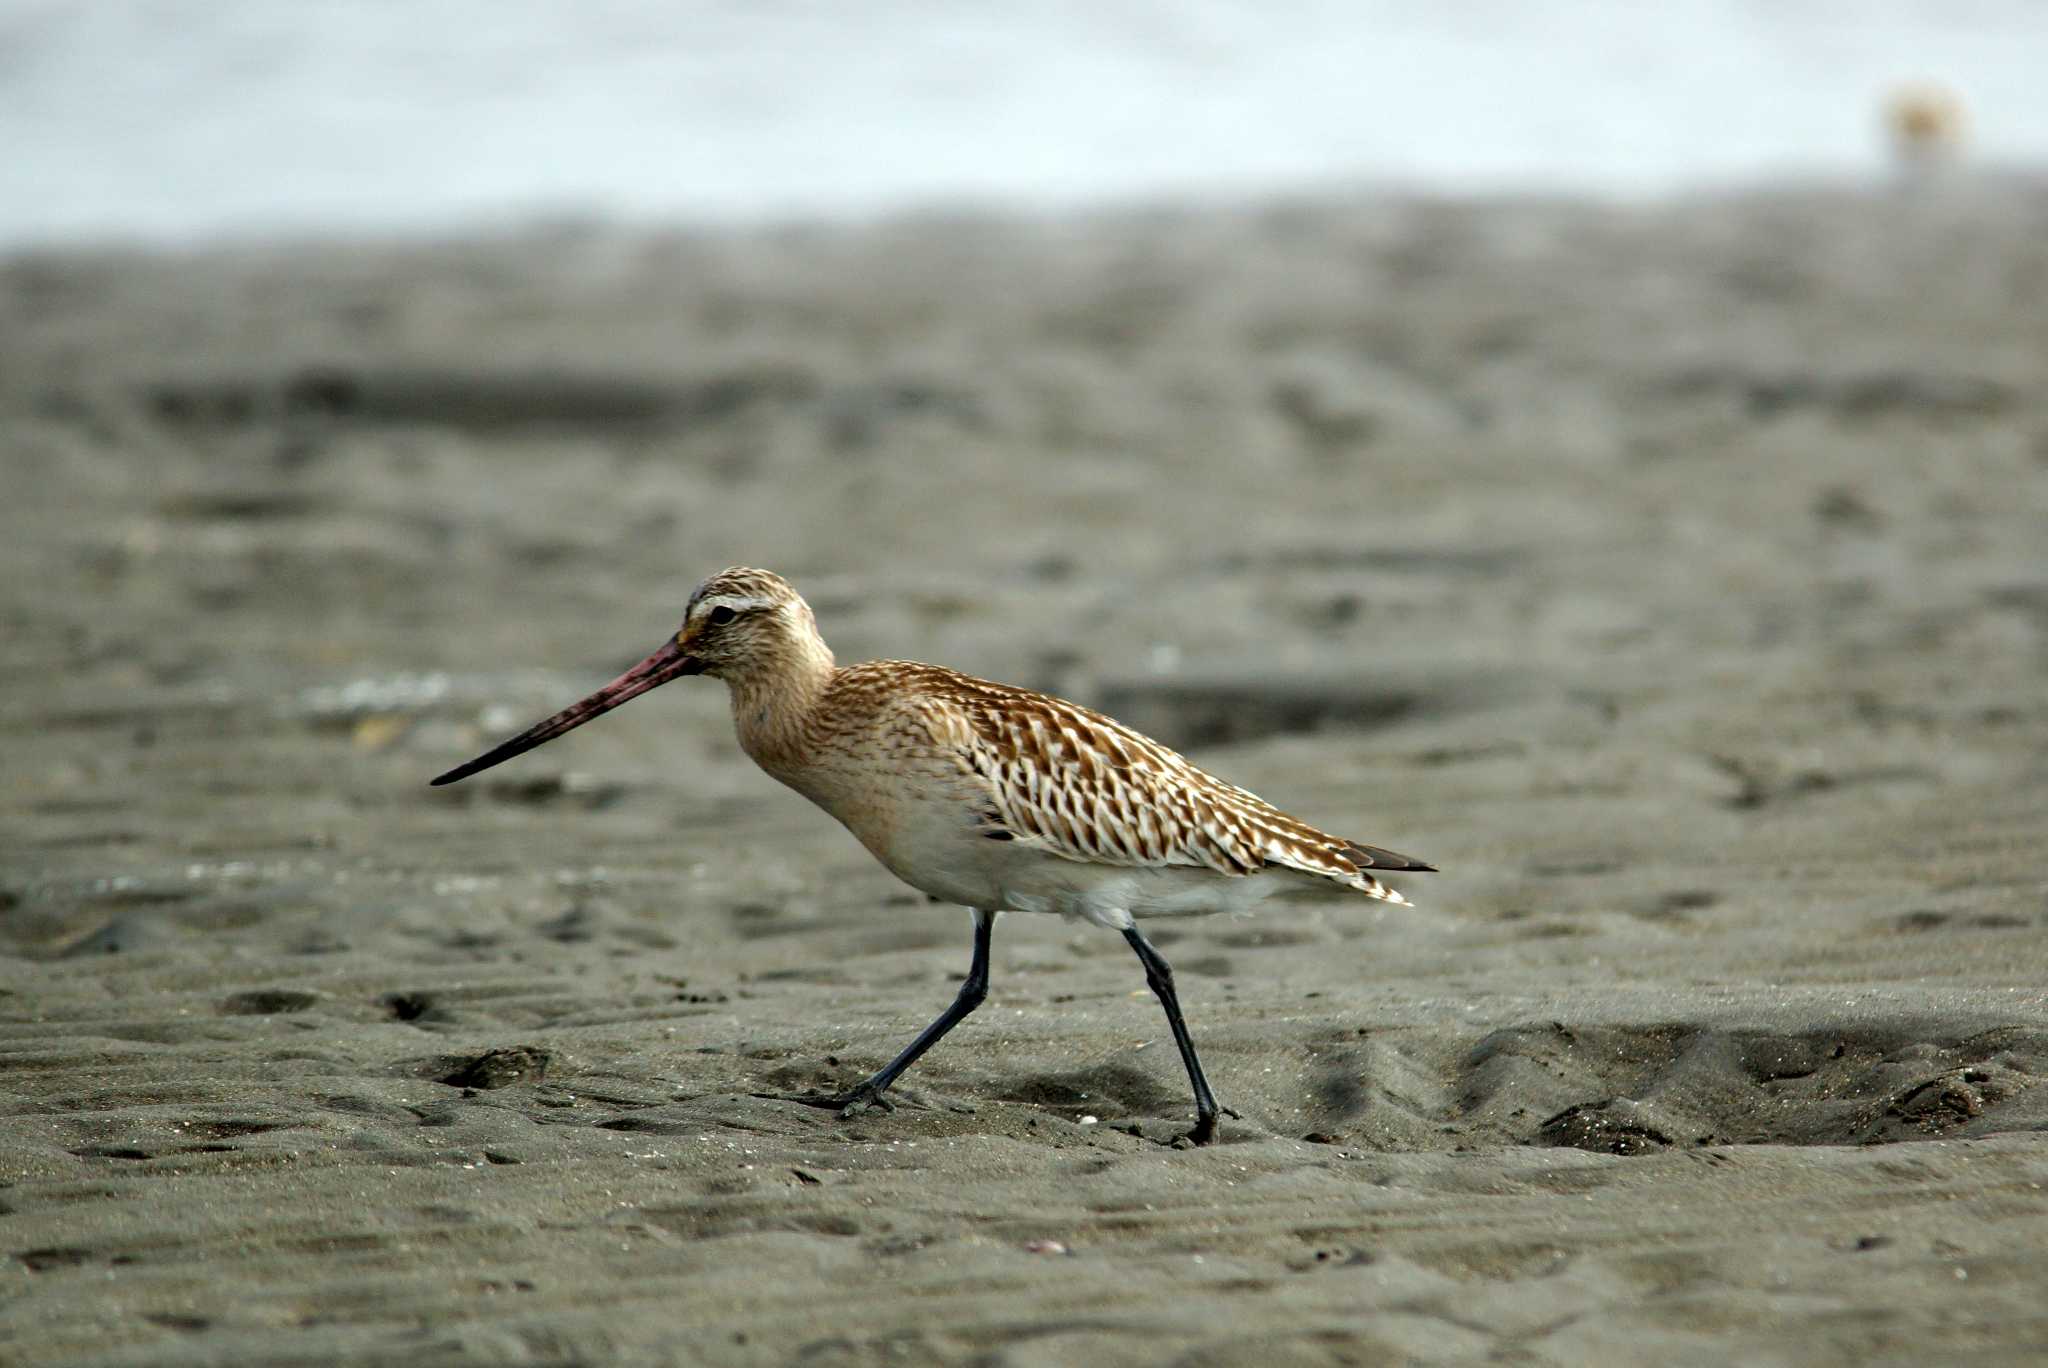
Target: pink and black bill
point(670, 662)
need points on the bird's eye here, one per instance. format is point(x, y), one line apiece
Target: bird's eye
point(721, 615)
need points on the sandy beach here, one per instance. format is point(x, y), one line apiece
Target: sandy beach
point(1674, 577)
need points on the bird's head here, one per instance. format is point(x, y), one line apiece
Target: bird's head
point(740, 623)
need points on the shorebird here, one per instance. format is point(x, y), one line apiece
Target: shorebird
point(993, 797)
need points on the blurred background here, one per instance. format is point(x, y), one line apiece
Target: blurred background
point(176, 120)
point(411, 362)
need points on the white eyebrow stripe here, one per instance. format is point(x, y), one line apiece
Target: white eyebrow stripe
point(739, 603)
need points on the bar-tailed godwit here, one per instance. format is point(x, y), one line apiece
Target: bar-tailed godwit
point(996, 798)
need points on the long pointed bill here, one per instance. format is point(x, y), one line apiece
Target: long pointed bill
point(665, 664)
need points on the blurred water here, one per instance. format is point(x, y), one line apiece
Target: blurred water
point(178, 119)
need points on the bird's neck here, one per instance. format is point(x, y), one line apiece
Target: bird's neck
point(775, 700)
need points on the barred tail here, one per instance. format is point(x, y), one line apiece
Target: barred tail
point(1372, 857)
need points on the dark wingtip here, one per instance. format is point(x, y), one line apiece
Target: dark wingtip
point(1386, 861)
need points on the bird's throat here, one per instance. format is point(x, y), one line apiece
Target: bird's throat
point(775, 702)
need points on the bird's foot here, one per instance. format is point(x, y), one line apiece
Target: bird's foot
point(849, 1104)
point(1204, 1132)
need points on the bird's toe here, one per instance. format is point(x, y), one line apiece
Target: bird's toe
point(845, 1103)
point(862, 1099)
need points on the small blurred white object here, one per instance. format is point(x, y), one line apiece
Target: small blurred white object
point(1928, 127)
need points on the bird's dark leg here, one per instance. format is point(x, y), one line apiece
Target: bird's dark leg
point(973, 992)
point(1159, 975)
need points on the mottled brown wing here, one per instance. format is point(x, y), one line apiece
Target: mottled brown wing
point(1090, 789)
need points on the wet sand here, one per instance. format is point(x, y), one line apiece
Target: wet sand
point(1675, 578)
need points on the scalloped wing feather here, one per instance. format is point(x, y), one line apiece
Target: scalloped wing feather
point(1087, 788)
